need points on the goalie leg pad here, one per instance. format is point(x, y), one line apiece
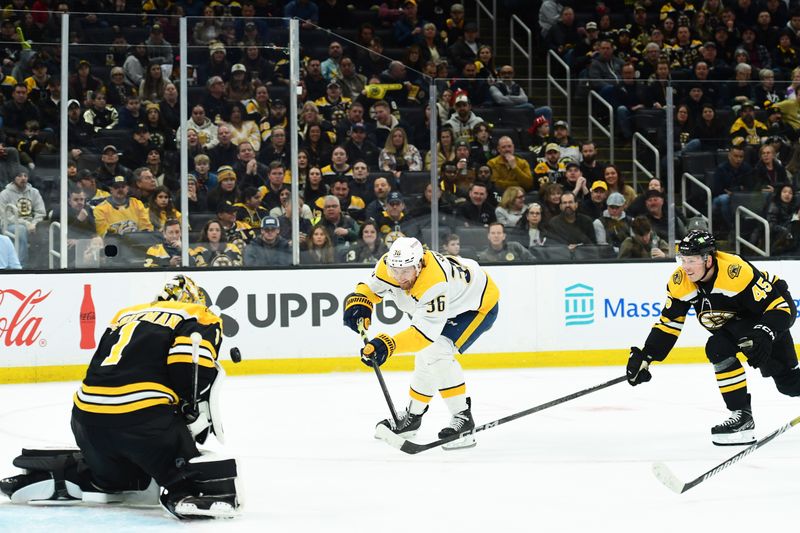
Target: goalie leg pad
point(50, 474)
point(208, 490)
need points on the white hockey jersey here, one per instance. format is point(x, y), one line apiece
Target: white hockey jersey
point(446, 287)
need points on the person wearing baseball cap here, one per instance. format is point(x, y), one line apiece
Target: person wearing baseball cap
point(613, 226)
point(121, 213)
point(551, 168)
point(270, 249)
point(594, 203)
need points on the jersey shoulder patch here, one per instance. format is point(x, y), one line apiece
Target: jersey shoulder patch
point(680, 286)
point(734, 275)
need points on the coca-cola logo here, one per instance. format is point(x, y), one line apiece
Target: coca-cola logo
point(19, 326)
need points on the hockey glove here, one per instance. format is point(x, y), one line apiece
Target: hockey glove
point(357, 307)
point(757, 347)
point(378, 350)
point(638, 367)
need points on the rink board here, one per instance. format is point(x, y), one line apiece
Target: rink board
point(290, 321)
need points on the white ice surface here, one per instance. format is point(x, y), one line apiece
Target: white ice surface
point(310, 464)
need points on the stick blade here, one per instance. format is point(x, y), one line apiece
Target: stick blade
point(670, 480)
point(386, 435)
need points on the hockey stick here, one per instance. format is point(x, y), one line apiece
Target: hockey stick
point(385, 434)
point(379, 374)
point(665, 475)
point(196, 340)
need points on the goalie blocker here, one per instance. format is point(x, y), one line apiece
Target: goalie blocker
point(204, 488)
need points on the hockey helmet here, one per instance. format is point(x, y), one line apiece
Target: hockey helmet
point(182, 289)
point(405, 252)
point(697, 242)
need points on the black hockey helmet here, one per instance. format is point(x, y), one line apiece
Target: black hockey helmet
point(697, 242)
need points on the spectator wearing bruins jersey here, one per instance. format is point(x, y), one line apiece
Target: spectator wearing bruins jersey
point(746, 127)
point(167, 253)
point(214, 250)
point(745, 310)
point(333, 106)
point(249, 211)
point(674, 9)
point(338, 168)
point(350, 204)
point(120, 213)
point(550, 169)
point(392, 218)
point(237, 233)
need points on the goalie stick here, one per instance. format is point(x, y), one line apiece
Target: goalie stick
point(671, 481)
point(379, 375)
point(386, 435)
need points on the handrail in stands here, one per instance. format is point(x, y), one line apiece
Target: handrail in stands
point(551, 81)
point(607, 129)
point(10, 209)
point(741, 240)
point(52, 253)
point(526, 52)
point(490, 13)
point(639, 138)
point(686, 177)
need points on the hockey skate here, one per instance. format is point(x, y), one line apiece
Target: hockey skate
point(460, 423)
point(407, 425)
point(737, 430)
point(203, 506)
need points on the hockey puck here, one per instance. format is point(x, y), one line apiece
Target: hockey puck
point(236, 355)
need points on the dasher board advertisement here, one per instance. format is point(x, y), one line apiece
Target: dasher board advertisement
point(296, 314)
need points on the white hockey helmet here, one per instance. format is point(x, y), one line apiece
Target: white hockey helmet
point(405, 252)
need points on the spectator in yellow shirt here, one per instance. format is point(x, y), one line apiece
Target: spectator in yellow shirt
point(508, 169)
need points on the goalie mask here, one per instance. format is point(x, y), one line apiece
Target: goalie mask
point(182, 289)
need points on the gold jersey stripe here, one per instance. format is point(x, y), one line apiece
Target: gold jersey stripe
point(184, 358)
point(667, 329)
point(127, 389)
point(186, 341)
point(731, 374)
point(453, 391)
point(490, 296)
point(477, 321)
point(119, 409)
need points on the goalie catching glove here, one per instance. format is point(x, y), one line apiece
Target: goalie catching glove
point(357, 307)
point(638, 367)
point(378, 350)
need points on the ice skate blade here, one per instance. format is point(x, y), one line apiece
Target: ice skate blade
point(217, 510)
point(461, 444)
point(741, 438)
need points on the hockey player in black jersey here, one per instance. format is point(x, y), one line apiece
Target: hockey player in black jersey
point(745, 310)
point(149, 393)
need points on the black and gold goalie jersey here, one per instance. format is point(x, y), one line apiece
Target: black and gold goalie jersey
point(737, 291)
point(143, 364)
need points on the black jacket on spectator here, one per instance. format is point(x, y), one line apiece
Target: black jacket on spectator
point(223, 155)
point(217, 196)
point(763, 177)
point(267, 154)
point(79, 134)
point(15, 116)
point(474, 215)
point(579, 232)
point(368, 151)
point(259, 253)
point(727, 178)
point(49, 113)
point(712, 136)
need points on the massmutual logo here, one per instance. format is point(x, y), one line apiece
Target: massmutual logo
point(579, 305)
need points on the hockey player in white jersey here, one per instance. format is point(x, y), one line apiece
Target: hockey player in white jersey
point(452, 302)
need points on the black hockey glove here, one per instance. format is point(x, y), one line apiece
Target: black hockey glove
point(378, 350)
point(357, 307)
point(638, 367)
point(757, 347)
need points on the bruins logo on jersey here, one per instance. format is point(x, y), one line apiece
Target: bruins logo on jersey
point(734, 270)
point(677, 277)
point(668, 303)
point(221, 260)
point(24, 207)
point(712, 319)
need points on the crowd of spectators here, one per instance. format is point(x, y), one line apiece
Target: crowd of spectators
point(733, 70)
point(505, 194)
